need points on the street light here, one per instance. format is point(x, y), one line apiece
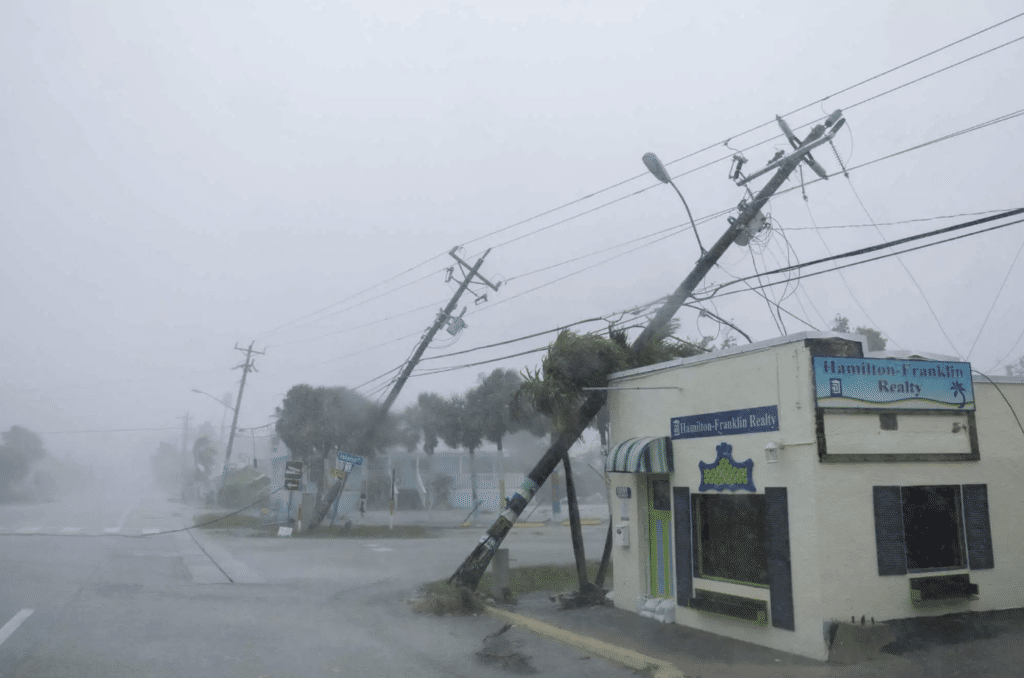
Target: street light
point(196, 390)
point(661, 174)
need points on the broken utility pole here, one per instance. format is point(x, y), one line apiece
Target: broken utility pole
point(246, 367)
point(445, 315)
point(473, 567)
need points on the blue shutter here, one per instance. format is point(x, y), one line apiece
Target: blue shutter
point(684, 564)
point(978, 528)
point(780, 570)
point(890, 542)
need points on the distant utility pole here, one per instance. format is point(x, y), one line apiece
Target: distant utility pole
point(740, 229)
point(471, 274)
point(246, 367)
point(184, 455)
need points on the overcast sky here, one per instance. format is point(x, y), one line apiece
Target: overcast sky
point(176, 177)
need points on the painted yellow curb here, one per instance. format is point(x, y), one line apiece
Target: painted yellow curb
point(585, 521)
point(529, 524)
point(628, 658)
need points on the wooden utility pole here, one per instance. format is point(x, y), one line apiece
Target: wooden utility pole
point(246, 367)
point(444, 316)
point(472, 568)
point(184, 458)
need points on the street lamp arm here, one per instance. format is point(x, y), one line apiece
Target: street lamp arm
point(689, 214)
point(196, 390)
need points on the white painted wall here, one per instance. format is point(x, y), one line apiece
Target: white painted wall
point(832, 537)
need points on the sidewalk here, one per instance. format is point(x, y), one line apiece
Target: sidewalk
point(988, 644)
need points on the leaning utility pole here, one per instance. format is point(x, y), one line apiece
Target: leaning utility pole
point(246, 367)
point(444, 316)
point(472, 568)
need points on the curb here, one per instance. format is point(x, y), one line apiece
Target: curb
point(628, 658)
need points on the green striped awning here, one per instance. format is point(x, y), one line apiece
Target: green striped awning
point(641, 455)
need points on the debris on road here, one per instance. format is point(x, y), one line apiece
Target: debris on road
point(442, 598)
point(500, 650)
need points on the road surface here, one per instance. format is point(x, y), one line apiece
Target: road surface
point(109, 588)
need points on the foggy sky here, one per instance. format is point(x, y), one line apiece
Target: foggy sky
point(176, 177)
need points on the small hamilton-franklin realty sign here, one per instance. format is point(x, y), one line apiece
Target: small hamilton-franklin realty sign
point(893, 384)
point(727, 423)
point(350, 458)
point(292, 475)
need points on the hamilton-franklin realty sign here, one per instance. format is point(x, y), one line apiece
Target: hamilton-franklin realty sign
point(728, 423)
point(893, 384)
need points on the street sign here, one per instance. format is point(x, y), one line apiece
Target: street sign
point(350, 458)
point(337, 473)
point(292, 475)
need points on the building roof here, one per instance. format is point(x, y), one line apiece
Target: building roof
point(736, 350)
point(800, 337)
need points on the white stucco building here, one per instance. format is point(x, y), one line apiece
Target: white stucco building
point(769, 490)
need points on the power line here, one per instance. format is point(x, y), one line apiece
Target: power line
point(990, 308)
point(592, 194)
point(846, 283)
point(871, 249)
point(894, 223)
point(952, 135)
point(771, 122)
point(111, 430)
point(358, 327)
point(920, 291)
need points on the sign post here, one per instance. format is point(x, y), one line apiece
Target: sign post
point(347, 462)
point(341, 474)
point(292, 480)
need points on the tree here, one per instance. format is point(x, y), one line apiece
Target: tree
point(20, 449)
point(462, 426)
point(204, 455)
point(578, 361)
point(1016, 369)
point(432, 413)
point(493, 398)
point(573, 362)
point(876, 342)
point(408, 427)
point(316, 422)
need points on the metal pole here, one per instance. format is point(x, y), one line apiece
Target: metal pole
point(246, 367)
point(473, 567)
point(442, 317)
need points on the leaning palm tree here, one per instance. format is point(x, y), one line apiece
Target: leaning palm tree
point(575, 362)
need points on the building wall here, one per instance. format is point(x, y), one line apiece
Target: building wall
point(779, 376)
point(849, 566)
point(831, 512)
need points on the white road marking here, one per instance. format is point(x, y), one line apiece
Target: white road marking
point(111, 530)
point(29, 530)
point(70, 530)
point(150, 530)
point(11, 626)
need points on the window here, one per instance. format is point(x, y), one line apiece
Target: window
point(933, 525)
point(661, 495)
point(922, 528)
point(730, 537)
